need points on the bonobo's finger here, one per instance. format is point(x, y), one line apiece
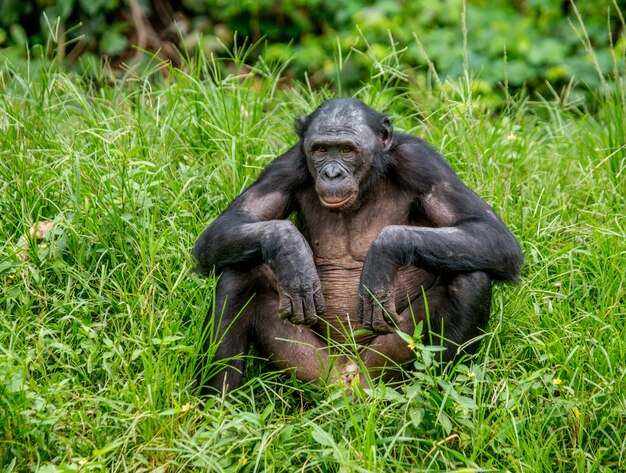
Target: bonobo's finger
point(368, 309)
point(391, 316)
point(379, 321)
point(284, 306)
point(308, 309)
point(297, 314)
point(318, 299)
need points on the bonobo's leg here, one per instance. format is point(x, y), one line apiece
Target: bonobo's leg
point(458, 307)
point(246, 311)
point(227, 326)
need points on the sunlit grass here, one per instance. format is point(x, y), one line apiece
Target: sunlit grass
point(101, 319)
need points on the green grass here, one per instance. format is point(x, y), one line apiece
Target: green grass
point(100, 321)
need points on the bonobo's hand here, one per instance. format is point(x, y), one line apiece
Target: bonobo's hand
point(299, 288)
point(377, 304)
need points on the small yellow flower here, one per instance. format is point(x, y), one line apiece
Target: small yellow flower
point(82, 461)
point(186, 407)
point(557, 381)
point(411, 345)
point(471, 374)
point(243, 461)
point(43, 246)
point(511, 137)
point(11, 276)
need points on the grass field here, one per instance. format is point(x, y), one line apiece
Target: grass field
point(101, 318)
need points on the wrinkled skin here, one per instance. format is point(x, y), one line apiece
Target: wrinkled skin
point(381, 219)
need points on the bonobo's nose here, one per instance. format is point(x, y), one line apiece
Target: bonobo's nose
point(332, 171)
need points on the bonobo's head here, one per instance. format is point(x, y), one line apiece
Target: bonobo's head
point(345, 143)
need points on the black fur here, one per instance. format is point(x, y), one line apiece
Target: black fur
point(448, 232)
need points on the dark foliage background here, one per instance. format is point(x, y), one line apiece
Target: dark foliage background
point(324, 40)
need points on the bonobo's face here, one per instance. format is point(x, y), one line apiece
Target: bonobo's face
point(340, 147)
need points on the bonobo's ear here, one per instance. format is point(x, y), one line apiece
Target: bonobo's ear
point(301, 124)
point(386, 133)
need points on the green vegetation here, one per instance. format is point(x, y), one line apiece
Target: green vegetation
point(100, 318)
point(323, 38)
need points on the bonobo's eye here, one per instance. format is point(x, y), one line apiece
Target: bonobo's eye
point(319, 149)
point(347, 151)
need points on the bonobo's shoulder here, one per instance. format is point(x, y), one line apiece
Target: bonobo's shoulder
point(289, 159)
point(286, 172)
point(413, 146)
point(417, 165)
point(411, 151)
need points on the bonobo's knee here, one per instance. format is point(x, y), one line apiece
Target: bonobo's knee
point(258, 279)
point(468, 283)
point(472, 291)
point(236, 288)
point(468, 313)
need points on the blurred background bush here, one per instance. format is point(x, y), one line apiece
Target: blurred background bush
point(523, 43)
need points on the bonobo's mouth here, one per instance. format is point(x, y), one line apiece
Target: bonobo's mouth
point(335, 202)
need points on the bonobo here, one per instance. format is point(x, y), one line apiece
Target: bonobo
point(380, 220)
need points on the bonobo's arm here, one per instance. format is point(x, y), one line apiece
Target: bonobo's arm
point(466, 234)
point(252, 231)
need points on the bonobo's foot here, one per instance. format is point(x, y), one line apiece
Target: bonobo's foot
point(343, 374)
point(346, 373)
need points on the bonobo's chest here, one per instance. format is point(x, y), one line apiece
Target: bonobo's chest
point(343, 239)
point(340, 242)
